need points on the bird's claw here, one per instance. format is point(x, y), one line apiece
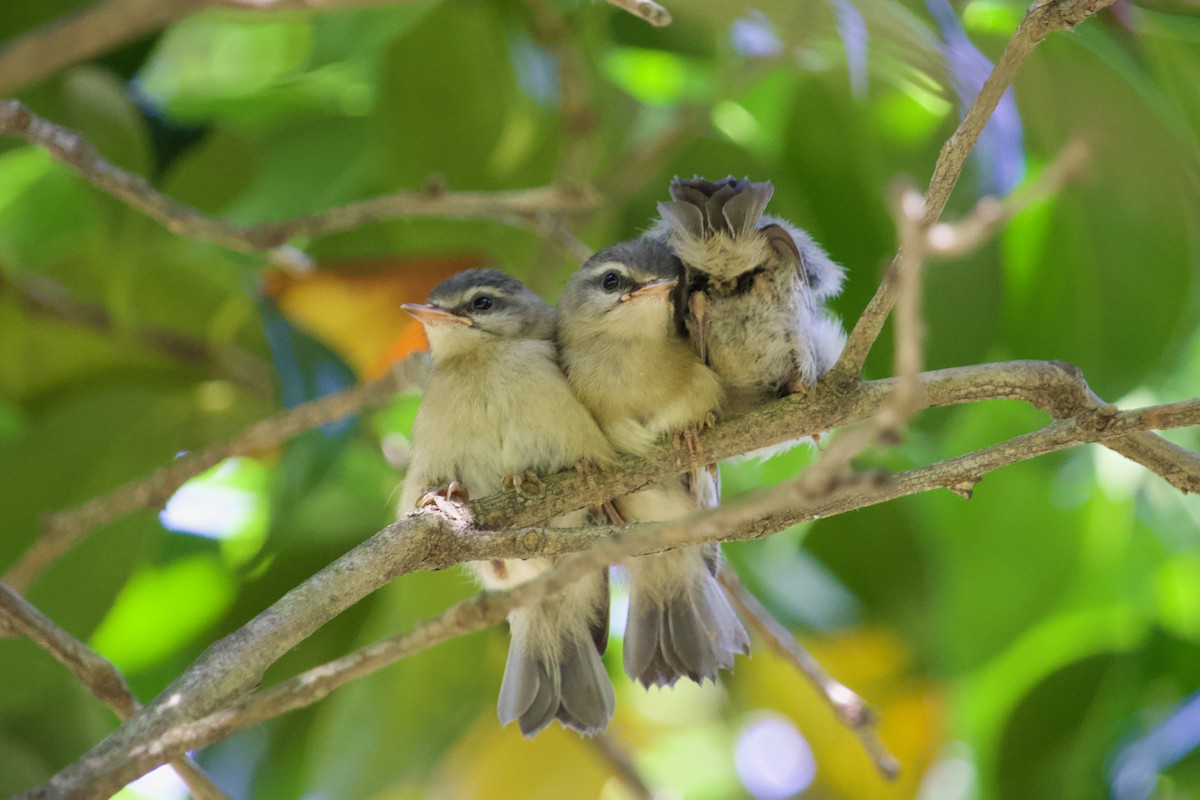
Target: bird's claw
point(444, 498)
point(797, 386)
point(520, 479)
point(589, 467)
point(689, 439)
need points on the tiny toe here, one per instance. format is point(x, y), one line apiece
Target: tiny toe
point(456, 489)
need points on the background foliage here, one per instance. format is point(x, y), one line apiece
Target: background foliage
point(1039, 641)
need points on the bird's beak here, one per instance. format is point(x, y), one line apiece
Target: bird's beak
point(660, 288)
point(432, 315)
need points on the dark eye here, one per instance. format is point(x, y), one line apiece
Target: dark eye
point(610, 281)
point(481, 303)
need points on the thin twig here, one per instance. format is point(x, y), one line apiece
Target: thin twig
point(621, 764)
point(648, 10)
point(82, 34)
point(579, 147)
point(96, 673)
point(850, 709)
point(47, 298)
point(63, 530)
point(1043, 17)
point(946, 240)
point(517, 207)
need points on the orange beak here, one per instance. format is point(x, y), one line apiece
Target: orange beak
point(659, 288)
point(432, 315)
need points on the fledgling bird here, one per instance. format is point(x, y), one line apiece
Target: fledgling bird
point(753, 289)
point(630, 365)
point(498, 410)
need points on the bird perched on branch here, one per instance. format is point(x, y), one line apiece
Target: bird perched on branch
point(497, 411)
point(632, 368)
point(753, 289)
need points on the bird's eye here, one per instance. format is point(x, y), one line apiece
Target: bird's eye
point(610, 281)
point(481, 303)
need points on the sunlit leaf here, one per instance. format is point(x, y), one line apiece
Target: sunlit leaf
point(162, 608)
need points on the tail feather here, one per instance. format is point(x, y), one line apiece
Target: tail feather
point(554, 669)
point(587, 694)
point(731, 206)
point(680, 624)
point(691, 650)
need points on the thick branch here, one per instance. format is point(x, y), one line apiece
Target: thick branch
point(517, 207)
point(63, 530)
point(106, 769)
point(1044, 17)
point(96, 673)
point(235, 665)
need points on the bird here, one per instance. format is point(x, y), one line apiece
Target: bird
point(753, 289)
point(498, 411)
point(630, 365)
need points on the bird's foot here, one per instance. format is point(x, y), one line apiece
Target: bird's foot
point(689, 438)
point(796, 386)
point(444, 498)
point(519, 480)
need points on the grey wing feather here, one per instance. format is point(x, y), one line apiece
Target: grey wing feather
point(822, 274)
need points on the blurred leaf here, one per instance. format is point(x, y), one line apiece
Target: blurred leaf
point(492, 762)
point(876, 666)
point(100, 110)
point(394, 725)
point(161, 608)
point(354, 306)
point(655, 77)
point(46, 718)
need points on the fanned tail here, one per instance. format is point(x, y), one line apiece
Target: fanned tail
point(700, 208)
point(680, 624)
point(554, 669)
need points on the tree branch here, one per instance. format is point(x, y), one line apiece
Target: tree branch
point(648, 10)
point(83, 34)
point(158, 733)
point(621, 764)
point(96, 673)
point(63, 530)
point(850, 709)
point(431, 540)
point(1043, 18)
point(517, 207)
point(47, 298)
point(107, 25)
